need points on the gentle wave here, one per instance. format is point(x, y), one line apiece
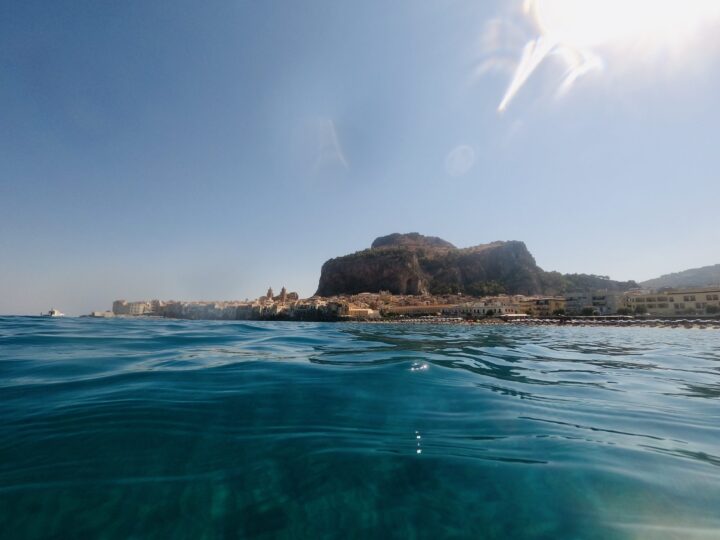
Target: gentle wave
point(153, 428)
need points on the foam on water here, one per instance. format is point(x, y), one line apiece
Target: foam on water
point(166, 429)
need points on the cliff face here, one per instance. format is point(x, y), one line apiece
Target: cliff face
point(394, 270)
point(415, 264)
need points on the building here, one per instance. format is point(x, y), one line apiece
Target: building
point(577, 302)
point(123, 307)
point(599, 302)
point(362, 313)
point(542, 306)
point(416, 310)
point(308, 309)
point(489, 308)
point(675, 302)
point(245, 312)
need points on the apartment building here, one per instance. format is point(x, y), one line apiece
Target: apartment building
point(600, 302)
point(545, 306)
point(669, 303)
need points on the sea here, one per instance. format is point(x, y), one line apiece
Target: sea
point(143, 429)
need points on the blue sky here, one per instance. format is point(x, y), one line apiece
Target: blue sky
point(206, 150)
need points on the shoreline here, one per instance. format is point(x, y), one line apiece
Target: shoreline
point(567, 322)
point(610, 321)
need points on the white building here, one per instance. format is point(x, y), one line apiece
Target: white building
point(123, 307)
point(601, 302)
point(480, 309)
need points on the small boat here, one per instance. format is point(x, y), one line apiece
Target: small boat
point(54, 313)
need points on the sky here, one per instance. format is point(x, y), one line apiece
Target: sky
point(207, 150)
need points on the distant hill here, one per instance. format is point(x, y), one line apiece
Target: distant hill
point(695, 277)
point(416, 264)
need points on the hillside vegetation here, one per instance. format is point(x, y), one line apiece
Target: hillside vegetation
point(695, 277)
point(416, 264)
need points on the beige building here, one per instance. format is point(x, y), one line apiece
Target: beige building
point(362, 313)
point(676, 302)
point(123, 307)
point(427, 309)
point(544, 306)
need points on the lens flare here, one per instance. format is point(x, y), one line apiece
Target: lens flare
point(582, 32)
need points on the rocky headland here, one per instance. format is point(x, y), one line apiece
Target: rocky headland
point(416, 264)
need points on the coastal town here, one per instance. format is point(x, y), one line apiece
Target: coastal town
point(408, 277)
point(668, 303)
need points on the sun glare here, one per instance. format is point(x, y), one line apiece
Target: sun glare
point(588, 23)
point(583, 32)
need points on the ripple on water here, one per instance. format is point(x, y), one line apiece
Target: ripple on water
point(151, 428)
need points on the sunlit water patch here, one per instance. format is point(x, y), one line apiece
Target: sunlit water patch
point(170, 429)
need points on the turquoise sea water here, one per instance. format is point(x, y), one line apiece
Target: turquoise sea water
point(168, 429)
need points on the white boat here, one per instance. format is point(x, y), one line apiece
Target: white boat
point(54, 313)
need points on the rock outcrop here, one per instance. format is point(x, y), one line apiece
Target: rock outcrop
point(410, 240)
point(416, 264)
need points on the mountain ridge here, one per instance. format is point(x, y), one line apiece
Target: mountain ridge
point(702, 276)
point(415, 264)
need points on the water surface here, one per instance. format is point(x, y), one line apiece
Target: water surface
point(171, 429)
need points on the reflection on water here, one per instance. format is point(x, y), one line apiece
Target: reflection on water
point(154, 429)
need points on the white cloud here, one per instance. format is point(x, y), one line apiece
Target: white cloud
point(460, 160)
